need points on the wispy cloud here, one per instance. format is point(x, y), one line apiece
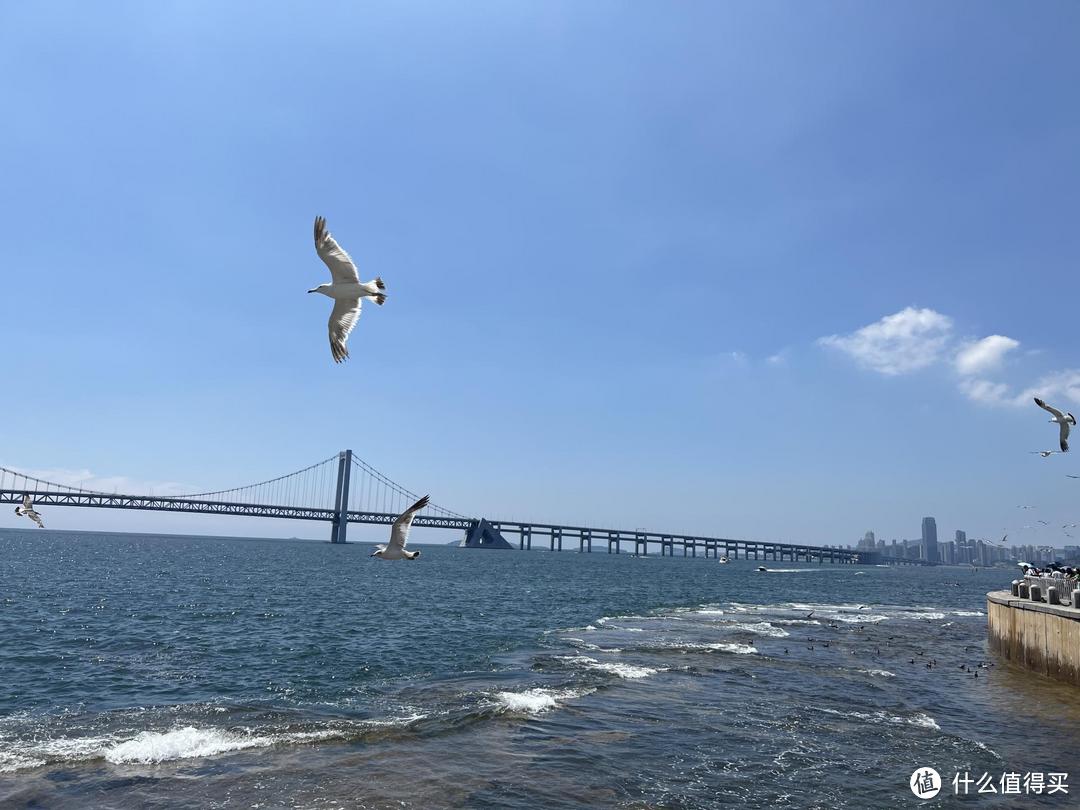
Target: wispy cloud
point(778, 359)
point(907, 341)
point(980, 356)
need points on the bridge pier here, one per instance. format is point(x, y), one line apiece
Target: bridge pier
point(340, 526)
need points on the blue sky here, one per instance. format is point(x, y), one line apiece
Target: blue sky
point(629, 249)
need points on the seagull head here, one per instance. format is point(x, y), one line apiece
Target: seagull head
point(320, 288)
point(377, 552)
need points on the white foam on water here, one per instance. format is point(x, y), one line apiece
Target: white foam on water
point(882, 673)
point(760, 628)
point(709, 612)
point(181, 743)
point(968, 613)
point(794, 621)
point(720, 646)
point(857, 618)
point(920, 719)
point(625, 670)
point(929, 615)
point(10, 762)
point(796, 570)
point(612, 667)
point(186, 742)
point(537, 700)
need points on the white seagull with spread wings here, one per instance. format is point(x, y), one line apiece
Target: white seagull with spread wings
point(27, 510)
point(345, 288)
point(399, 535)
point(1063, 420)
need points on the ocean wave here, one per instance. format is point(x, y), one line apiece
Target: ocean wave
point(968, 613)
point(613, 667)
point(718, 646)
point(536, 700)
point(182, 742)
point(760, 628)
point(919, 719)
point(881, 673)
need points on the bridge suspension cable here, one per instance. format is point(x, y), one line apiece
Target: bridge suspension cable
point(371, 491)
point(312, 487)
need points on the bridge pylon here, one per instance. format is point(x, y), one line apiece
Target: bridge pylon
point(340, 526)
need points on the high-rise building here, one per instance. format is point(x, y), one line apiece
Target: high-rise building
point(929, 539)
point(961, 537)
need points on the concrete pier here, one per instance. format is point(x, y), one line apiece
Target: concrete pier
point(1042, 637)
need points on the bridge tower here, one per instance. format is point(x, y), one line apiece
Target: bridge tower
point(340, 526)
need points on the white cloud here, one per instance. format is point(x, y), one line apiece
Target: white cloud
point(778, 359)
point(906, 341)
point(984, 355)
point(986, 391)
point(1061, 386)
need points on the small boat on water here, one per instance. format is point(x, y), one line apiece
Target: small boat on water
point(724, 560)
point(763, 569)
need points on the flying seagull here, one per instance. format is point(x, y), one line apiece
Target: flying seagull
point(27, 510)
point(399, 535)
point(345, 288)
point(1063, 420)
point(1071, 476)
point(1044, 453)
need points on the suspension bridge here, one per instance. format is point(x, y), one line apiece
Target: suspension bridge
point(344, 489)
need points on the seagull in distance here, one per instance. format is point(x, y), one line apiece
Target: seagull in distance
point(27, 510)
point(1044, 453)
point(1063, 421)
point(399, 535)
point(345, 288)
point(1071, 476)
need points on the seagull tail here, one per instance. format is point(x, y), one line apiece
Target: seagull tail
point(379, 283)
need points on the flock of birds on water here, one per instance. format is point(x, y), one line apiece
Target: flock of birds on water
point(348, 293)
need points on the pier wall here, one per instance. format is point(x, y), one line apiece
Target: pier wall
point(1041, 637)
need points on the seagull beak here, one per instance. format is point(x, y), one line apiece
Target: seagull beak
point(311, 291)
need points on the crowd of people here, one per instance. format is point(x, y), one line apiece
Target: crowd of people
point(1052, 570)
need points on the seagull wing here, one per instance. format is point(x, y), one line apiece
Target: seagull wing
point(1064, 436)
point(342, 268)
point(27, 504)
point(399, 535)
point(34, 516)
point(343, 318)
point(1057, 414)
